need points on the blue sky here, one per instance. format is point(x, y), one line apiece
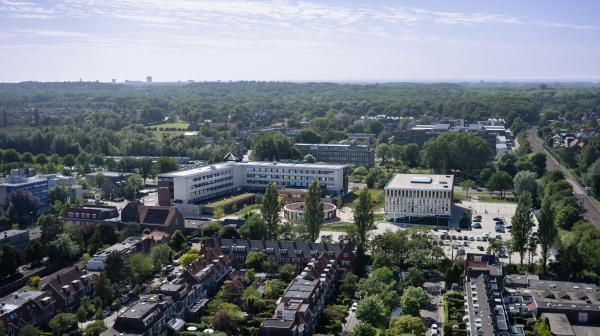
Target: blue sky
point(299, 40)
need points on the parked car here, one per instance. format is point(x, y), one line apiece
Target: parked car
point(478, 239)
point(471, 238)
point(496, 219)
point(354, 306)
point(502, 253)
point(466, 243)
point(476, 226)
point(434, 330)
point(480, 248)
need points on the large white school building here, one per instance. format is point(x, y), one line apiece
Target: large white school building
point(196, 185)
point(413, 196)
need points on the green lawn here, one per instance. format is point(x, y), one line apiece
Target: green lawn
point(247, 209)
point(231, 200)
point(178, 125)
point(340, 226)
point(497, 199)
point(350, 199)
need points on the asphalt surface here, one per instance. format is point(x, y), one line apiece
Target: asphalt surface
point(591, 212)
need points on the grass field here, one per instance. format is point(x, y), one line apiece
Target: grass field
point(497, 199)
point(230, 200)
point(183, 126)
point(340, 226)
point(376, 195)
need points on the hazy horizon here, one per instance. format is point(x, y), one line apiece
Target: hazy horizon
point(299, 41)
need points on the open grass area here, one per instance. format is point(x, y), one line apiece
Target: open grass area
point(183, 126)
point(230, 200)
point(351, 198)
point(497, 199)
point(339, 226)
point(247, 209)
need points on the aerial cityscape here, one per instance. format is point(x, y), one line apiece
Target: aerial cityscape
point(299, 168)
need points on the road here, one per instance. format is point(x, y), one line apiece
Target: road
point(591, 212)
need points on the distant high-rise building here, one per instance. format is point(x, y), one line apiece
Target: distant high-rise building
point(148, 79)
point(114, 81)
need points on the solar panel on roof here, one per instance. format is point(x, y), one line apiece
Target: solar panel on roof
point(420, 179)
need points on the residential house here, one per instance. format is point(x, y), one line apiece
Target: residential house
point(160, 218)
point(148, 317)
point(299, 308)
point(88, 216)
point(286, 252)
point(27, 307)
point(68, 287)
point(113, 185)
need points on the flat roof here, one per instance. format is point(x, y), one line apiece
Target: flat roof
point(333, 145)
point(421, 181)
point(559, 324)
point(214, 167)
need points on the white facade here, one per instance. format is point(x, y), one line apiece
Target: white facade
point(199, 184)
point(410, 195)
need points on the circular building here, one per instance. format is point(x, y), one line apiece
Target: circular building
point(294, 211)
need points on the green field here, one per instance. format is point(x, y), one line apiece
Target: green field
point(183, 126)
point(340, 226)
point(230, 200)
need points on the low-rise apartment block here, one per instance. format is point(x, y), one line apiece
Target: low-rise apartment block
point(147, 317)
point(126, 248)
point(88, 216)
point(344, 154)
point(112, 183)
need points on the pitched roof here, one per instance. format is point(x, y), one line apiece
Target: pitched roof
point(69, 282)
point(161, 215)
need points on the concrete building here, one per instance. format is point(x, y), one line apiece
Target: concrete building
point(127, 247)
point(20, 179)
point(17, 238)
point(410, 197)
point(209, 182)
point(147, 317)
point(88, 216)
point(344, 154)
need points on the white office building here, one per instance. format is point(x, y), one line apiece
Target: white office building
point(411, 196)
point(204, 183)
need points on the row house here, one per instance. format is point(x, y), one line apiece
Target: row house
point(126, 248)
point(286, 252)
point(27, 307)
point(299, 308)
point(197, 281)
point(68, 287)
point(148, 317)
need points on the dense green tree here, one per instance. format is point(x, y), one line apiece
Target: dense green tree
point(34, 252)
point(538, 160)
point(63, 248)
point(115, 267)
point(10, 260)
point(525, 181)
point(178, 241)
point(254, 260)
point(372, 310)
point(273, 146)
point(255, 227)
point(29, 330)
point(161, 255)
point(406, 325)
point(274, 288)
point(547, 230)
point(141, 267)
point(593, 178)
point(456, 151)
point(287, 272)
point(95, 328)
point(567, 215)
point(364, 221)
point(103, 289)
point(313, 210)
point(63, 323)
point(270, 210)
point(522, 222)
point(308, 135)
point(500, 181)
point(375, 127)
point(414, 277)
point(363, 329)
point(467, 185)
point(50, 226)
point(413, 299)
point(25, 206)
point(165, 165)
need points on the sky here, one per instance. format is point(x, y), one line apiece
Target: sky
point(313, 40)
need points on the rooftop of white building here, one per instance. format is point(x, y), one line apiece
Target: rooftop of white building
point(218, 166)
point(421, 181)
